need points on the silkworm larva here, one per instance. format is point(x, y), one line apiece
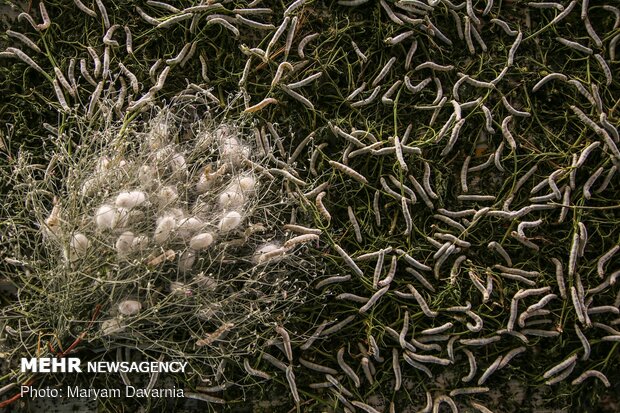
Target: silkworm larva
point(574, 45)
point(443, 258)
point(384, 71)
point(290, 378)
point(314, 336)
point(591, 373)
point(469, 390)
point(274, 361)
point(464, 169)
point(570, 361)
point(301, 229)
point(349, 171)
point(373, 299)
point(468, 40)
point(512, 110)
point(26, 59)
point(346, 368)
point(412, 261)
point(410, 53)
point(504, 26)
point(85, 9)
point(420, 190)
point(494, 246)
point(162, 5)
point(304, 42)
point(399, 38)
point(604, 68)
point(104, 13)
point(368, 100)
point(321, 207)
point(293, 6)
point(60, 95)
point(224, 23)
point(407, 357)
point(549, 77)
point(434, 66)
point(338, 385)
point(358, 52)
point(472, 366)
point(565, 204)
point(513, 48)
point(600, 266)
point(24, 40)
point(305, 81)
point(317, 367)
point(391, 272)
point(585, 153)
point(453, 137)
point(490, 370)
point(390, 13)
point(386, 99)
point(426, 181)
point(396, 368)
point(254, 24)
point(254, 372)
point(260, 105)
point(457, 23)
point(476, 198)
point(407, 216)
point(422, 302)
point(588, 184)
point(437, 330)
point(63, 82)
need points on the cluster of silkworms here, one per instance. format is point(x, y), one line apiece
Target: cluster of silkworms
point(455, 291)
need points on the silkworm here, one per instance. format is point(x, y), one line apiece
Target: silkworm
point(472, 366)
point(434, 66)
point(490, 370)
point(386, 98)
point(274, 361)
point(504, 26)
point(254, 372)
point(317, 333)
point(204, 397)
point(304, 42)
point(396, 368)
point(24, 40)
point(290, 378)
point(358, 52)
point(476, 198)
point(317, 367)
point(479, 341)
point(570, 361)
point(349, 171)
point(63, 82)
point(305, 81)
point(352, 297)
point(224, 23)
point(346, 368)
point(600, 266)
point(162, 5)
point(84, 9)
point(373, 299)
point(384, 71)
point(438, 330)
point(609, 127)
point(260, 105)
point(390, 275)
point(368, 100)
point(321, 207)
point(549, 77)
point(338, 385)
point(293, 6)
point(453, 137)
point(60, 95)
point(591, 373)
point(26, 59)
point(604, 68)
point(422, 302)
point(407, 357)
point(513, 49)
point(590, 182)
point(254, 24)
point(468, 40)
point(468, 390)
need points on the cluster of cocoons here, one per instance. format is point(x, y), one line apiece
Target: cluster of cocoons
point(162, 203)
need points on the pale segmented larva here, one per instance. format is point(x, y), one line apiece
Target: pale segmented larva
point(300, 240)
point(453, 137)
point(254, 24)
point(180, 56)
point(224, 23)
point(434, 66)
point(546, 5)
point(352, 297)
point(301, 229)
point(468, 40)
point(570, 361)
point(386, 98)
point(373, 299)
point(365, 407)
point(509, 356)
point(478, 284)
point(390, 275)
point(600, 266)
point(504, 27)
point(358, 52)
point(26, 59)
point(444, 399)
point(513, 49)
point(390, 13)
point(518, 277)
point(577, 305)
point(438, 330)
point(321, 207)
point(410, 53)
point(574, 253)
point(366, 367)
point(317, 367)
point(356, 92)
point(517, 271)
point(84, 9)
point(601, 61)
point(574, 45)
point(349, 171)
point(609, 127)
point(290, 378)
point(304, 42)
point(479, 341)
point(424, 358)
point(584, 343)
point(63, 81)
point(396, 368)
point(549, 77)
point(314, 336)
point(368, 100)
point(338, 385)
point(24, 40)
point(348, 260)
point(588, 184)
point(407, 216)
point(305, 81)
point(254, 372)
point(399, 38)
point(478, 38)
point(293, 6)
point(591, 373)
point(431, 28)
point(384, 71)
point(472, 366)
point(407, 357)
point(274, 361)
point(346, 368)
point(164, 6)
point(559, 275)
point(303, 100)
point(514, 307)
point(457, 23)
point(490, 370)
point(512, 110)
point(60, 95)
point(260, 105)
point(565, 203)
point(476, 198)
point(422, 302)
point(469, 390)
